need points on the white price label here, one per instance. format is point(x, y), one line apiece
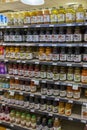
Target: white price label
point(85, 65)
point(69, 45)
point(56, 82)
point(69, 84)
point(37, 62)
point(51, 25)
point(32, 95)
point(43, 81)
point(21, 93)
point(54, 45)
point(57, 99)
point(70, 101)
point(11, 125)
point(50, 114)
point(75, 86)
point(23, 61)
point(41, 44)
point(25, 26)
point(16, 78)
point(36, 82)
point(12, 93)
point(18, 61)
point(37, 26)
point(43, 97)
point(83, 121)
point(70, 118)
point(32, 110)
point(7, 77)
point(54, 63)
point(6, 60)
point(69, 64)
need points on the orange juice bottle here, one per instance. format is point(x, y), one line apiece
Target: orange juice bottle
point(48, 54)
point(42, 54)
point(54, 14)
point(27, 17)
point(61, 15)
point(70, 15)
point(80, 14)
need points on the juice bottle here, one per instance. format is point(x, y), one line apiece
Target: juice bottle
point(77, 93)
point(49, 72)
point(36, 103)
point(40, 18)
point(42, 35)
point(23, 119)
point(43, 89)
point(29, 36)
point(15, 69)
point(70, 74)
point(35, 36)
point(56, 90)
point(7, 112)
point(28, 120)
point(20, 69)
point(33, 17)
point(22, 52)
point(55, 106)
point(55, 73)
point(37, 71)
point(78, 56)
point(18, 36)
point(27, 17)
point(42, 55)
point(80, 14)
point(62, 75)
point(70, 55)
point(12, 116)
point(77, 75)
point(56, 124)
point(18, 117)
point(43, 72)
point(69, 93)
point(12, 52)
point(33, 87)
point(46, 15)
point(70, 14)
point(54, 35)
point(61, 15)
point(31, 71)
point(62, 91)
point(48, 54)
point(31, 101)
point(12, 36)
point(84, 76)
point(33, 122)
point(17, 52)
point(10, 18)
point(49, 90)
point(55, 54)
point(29, 53)
point(63, 54)
point(54, 14)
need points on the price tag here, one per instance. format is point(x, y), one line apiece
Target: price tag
point(43, 97)
point(70, 118)
point(43, 81)
point(32, 95)
point(37, 62)
point(6, 60)
point(57, 99)
point(56, 82)
point(54, 45)
point(23, 61)
point(69, 45)
point(3, 104)
point(36, 82)
point(69, 64)
point(12, 93)
point(32, 110)
point(54, 63)
point(70, 101)
point(50, 114)
point(8, 77)
point(16, 78)
point(85, 65)
point(21, 93)
point(41, 44)
point(69, 24)
point(75, 86)
point(51, 25)
point(37, 26)
point(69, 84)
point(25, 26)
point(18, 61)
point(83, 121)
point(4, 44)
point(11, 125)
point(7, 26)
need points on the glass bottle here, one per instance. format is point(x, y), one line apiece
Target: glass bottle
point(53, 16)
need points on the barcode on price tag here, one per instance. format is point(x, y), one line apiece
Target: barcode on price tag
point(75, 86)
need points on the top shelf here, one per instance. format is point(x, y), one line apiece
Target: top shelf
point(44, 25)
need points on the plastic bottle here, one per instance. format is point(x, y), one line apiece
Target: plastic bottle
point(54, 14)
point(61, 15)
point(28, 120)
point(46, 15)
point(33, 122)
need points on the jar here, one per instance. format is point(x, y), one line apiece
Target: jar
point(7, 52)
point(54, 35)
point(48, 35)
point(12, 53)
point(56, 90)
point(15, 69)
point(17, 52)
point(70, 55)
point(10, 68)
point(29, 36)
point(55, 73)
point(49, 72)
point(12, 84)
point(27, 18)
point(35, 35)
point(42, 55)
point(25, 68)
point(33, 87)
point(36, 103)
point(53, 16)
point(63, 54)
point(29, 53)
point(49, 90)
point(30, 71)
point(22, 85)
point(77, 35)
point(48, 54)
point(18, 36)
point(55, 54)
point(68, 109)
point(20, 69)
point(20, 18)
point(55, 106)
point(40, 18)
point(84, 75)
point(62, 91)
point(43, 88)
point(27, 86)
point(61, 15)
point(43, 72)
point(61, 108)
point(37, 71)
point(77, 55)
point(17, 99)
point(69, 92)
point(22, 53)
point(76, 93)
point(46, 16)
point(42, 35)
point(61, 35)
point(62, 75)
point(17, 84)
point(21, 100)
point(42, 105)
point(69, 35)
point(77, 75)
point(49, 105)
point(33, 17)
point(31, 101)
point(70, 74)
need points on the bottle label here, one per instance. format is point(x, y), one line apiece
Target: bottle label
point(22, 87)
point(43, 75)
point(12, 86)
point(35, 38)
point(77, 37)
point(33, 125)
point(56, 76)
point(23, 122)
point(6, 38)
point(31, 105)
point(70, 57)
point(10, 71)
point(77, 58)
point(48, 38)
point(12, 38)
point(63, 57)
point(42, 56)
point(55, 57)
point(7, 55)
point(29, 56)
point(56, 92)
point(54, 38)
point(33, 19)
point(69, 37)
point(30, 73)
point(68, 112)
point(61, 17)
point(12, 55)
point(69, 94)
point(49, 75)
point(27, 20)
point(69, 17)
point(15, 71)
point(46, 18)
point(42, 38)
point(84, 79)
point(22, 55)
point(29, 38)
point(49, 91)
point(18, 38)
point(80, 16)
point(27, 88)
point(61, 38)
point(49, 108)
point(37, 74)
point(62, 76)
point(17, 55)
point(25, 73)
point(28, 123)
point(37, 106)
point(54, 18)
point(20, 72)
point(70, 76)
point(33, 88)
point(43, 107)
point(62, 93)
point(61, 110)
point(40, 19)
point(84, 57)
point(76, 95)
point(55, 109)
point(48, 57)
point(85, 37)
point(20, 21)
point(77, 77)
point(43, 91)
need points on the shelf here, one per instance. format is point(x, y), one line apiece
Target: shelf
point(47, 44)
point(13, 126)
point(81, 101)
point(73, 117)
point(44, 25)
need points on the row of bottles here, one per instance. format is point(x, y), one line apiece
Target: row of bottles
point(53, 15)
point(38, 103)
point(69, 54)
point(49, 72)
point(45, 35)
